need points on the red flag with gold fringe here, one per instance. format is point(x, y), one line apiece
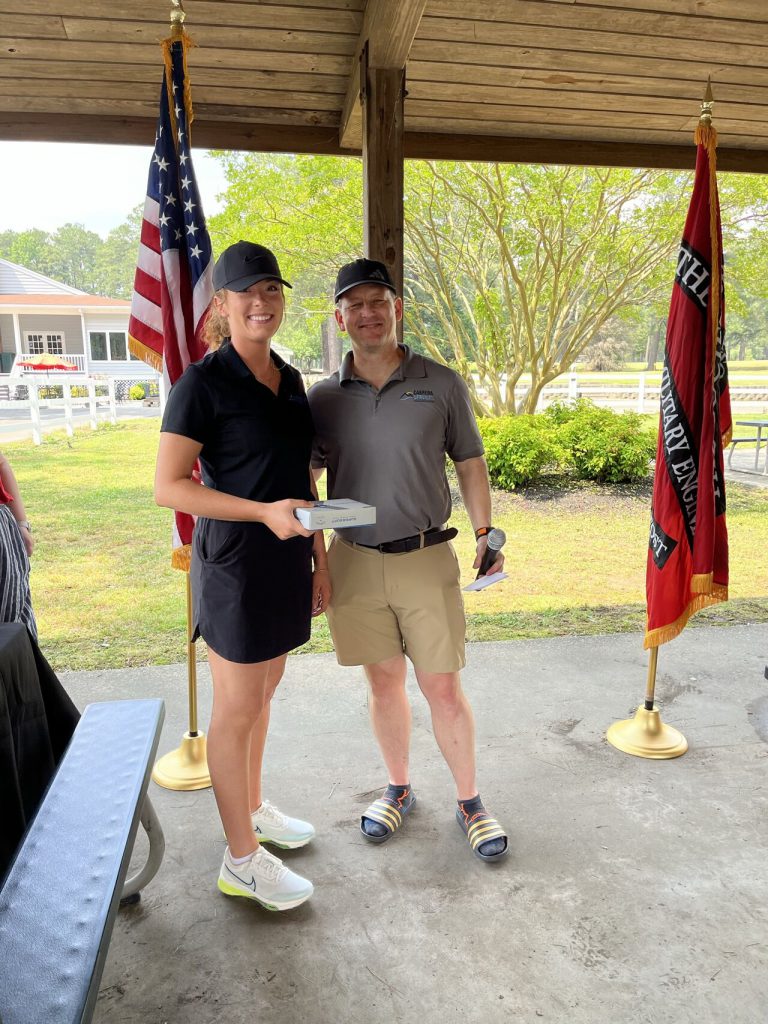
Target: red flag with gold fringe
point(688, 548)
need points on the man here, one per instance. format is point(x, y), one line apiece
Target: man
point(383, 426)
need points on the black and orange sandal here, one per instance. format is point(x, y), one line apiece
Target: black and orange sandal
point(385, 815)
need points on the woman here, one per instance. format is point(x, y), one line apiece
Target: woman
point(16, 546)
point(244, 413)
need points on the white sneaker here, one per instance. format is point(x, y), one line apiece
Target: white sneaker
point(265, 879)
point(272, 826)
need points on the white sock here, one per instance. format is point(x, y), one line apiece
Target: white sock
point(240, 860)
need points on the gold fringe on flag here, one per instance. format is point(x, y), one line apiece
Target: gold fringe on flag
point(664, 634)
point(178, 35)
point(143, 352)
point(181, 558)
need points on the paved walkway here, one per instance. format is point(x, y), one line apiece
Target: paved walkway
point(636, 891)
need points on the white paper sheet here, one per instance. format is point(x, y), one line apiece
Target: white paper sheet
point(486, 581)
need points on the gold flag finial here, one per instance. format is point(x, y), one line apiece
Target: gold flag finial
point(707, 103)
point(177, 19)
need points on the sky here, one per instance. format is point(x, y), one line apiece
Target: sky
point(45, 184)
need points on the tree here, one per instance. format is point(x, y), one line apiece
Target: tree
point(78, 257)
point(115, 264)
point(73, 253)
point(525, 265)
point(309, 211)
point(510, 270)
point(27, 248)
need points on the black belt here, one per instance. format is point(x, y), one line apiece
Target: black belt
point(419, 540)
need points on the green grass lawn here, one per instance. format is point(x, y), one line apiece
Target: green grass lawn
point(106, 596)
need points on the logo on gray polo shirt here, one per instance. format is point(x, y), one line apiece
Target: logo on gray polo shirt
point(418, 396)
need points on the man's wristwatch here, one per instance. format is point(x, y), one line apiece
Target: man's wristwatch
point(482, 531)
point(24, 523)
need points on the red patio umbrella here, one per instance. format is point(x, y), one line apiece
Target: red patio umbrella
point(46, 361)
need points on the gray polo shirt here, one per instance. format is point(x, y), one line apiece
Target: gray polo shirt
point(388, 447)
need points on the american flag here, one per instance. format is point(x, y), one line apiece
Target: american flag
point(172, 288)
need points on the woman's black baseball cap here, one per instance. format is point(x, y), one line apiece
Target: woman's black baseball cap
point(243, 264)
point(361, 271)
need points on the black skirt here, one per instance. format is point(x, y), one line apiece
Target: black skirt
point(251, 593)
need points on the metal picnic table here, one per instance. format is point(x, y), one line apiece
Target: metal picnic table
point(759, 426)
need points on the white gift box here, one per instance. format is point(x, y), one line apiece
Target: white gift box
point(336, 514)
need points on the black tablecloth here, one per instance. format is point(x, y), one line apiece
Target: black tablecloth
point(37, 720)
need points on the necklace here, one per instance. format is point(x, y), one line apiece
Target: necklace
point(271, 378)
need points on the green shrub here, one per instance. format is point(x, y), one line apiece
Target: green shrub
point(603, 445)
point(564, 412)
point(79, 391)
point(517, 449)
point(51, 391)
point(137, 392)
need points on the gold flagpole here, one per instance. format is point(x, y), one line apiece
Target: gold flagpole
point(185, 768)
point(646, 735)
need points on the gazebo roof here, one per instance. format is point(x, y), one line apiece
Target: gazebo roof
point(609, 81)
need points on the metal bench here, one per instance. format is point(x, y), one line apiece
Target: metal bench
point(60, 898)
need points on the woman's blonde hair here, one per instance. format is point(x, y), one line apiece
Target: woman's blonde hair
point(216, 328)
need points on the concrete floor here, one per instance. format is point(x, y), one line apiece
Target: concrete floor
point(636, 891)
point(743, 470)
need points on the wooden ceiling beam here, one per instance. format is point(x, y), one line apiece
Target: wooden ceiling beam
point(501, 149)
point(140, 131)
point(271, 138)
point(17, 50)
point(389, 28)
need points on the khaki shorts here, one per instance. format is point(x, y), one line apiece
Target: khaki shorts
point(383, 605)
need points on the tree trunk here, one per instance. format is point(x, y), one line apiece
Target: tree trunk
point(329, 332)
point(334, 344)
point(326, 350)
point(652, 349)
point(531, 400)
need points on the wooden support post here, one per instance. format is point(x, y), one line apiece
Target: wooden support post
point(383, 96)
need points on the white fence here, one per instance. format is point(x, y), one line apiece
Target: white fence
point(640, 395)
point(98, 393)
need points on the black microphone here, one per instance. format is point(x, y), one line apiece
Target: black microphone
point(496, 541)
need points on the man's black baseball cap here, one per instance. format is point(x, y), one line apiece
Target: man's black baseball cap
point(243, 264)
point(361, 272)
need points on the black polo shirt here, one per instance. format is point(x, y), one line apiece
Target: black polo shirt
point(256, 444)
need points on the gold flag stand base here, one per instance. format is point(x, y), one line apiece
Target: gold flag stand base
point(646, 735)
point(185, 768)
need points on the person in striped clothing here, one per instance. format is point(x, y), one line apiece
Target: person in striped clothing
point(16, 546)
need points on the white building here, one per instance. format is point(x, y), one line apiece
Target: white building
point(39, 315)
